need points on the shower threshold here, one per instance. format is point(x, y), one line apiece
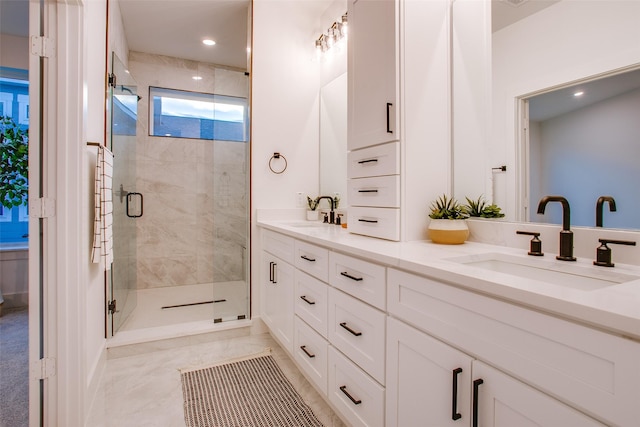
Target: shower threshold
point(194, 303)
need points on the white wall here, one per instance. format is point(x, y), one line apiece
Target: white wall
point(285, 114)
point(564, 42)
point(14, 51)
point(94, 130)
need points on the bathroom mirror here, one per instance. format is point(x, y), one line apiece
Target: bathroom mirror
point(536, 53)
point(333, 139)
point(584, 141)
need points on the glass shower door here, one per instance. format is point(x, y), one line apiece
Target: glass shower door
point(127, 203)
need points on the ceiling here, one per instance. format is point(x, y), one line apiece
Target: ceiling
point(506, 12)
point(177, 28)
point(561, 101)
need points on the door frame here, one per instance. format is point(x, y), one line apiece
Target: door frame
point(56, 252)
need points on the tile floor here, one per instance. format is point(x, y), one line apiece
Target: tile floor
point(145, 389)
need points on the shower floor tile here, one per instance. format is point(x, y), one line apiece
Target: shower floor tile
point(149, 313)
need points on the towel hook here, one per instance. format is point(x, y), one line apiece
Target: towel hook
point(277, 156)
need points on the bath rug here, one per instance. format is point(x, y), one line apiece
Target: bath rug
point(250, 391)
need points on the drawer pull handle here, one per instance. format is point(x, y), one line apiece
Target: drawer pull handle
point(356, 333)
point(476, 385)
point(367, 191)
point(345, 274)
point(304, 298)
point(304, 348)
point(368, 161)
point(371, 221)
point(455, 415)
point(389, 105)
point(272, 272)
point(306, 258)
point(344, 390)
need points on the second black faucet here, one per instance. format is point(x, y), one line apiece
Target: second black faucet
point(566, 235)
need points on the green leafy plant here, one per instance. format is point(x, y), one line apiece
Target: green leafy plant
point(313, 203)
point(14, 164)
point(447, 208)
point(479, 208)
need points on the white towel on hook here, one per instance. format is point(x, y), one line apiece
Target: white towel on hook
point(102, 224)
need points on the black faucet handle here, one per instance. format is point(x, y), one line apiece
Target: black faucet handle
point(603, 252)
point(535, 248)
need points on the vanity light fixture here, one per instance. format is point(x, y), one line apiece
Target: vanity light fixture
point(208, 42)
point(336, 32)
point(197, 77)
point(577, 94)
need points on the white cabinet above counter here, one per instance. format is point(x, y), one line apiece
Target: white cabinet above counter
point(613, 308)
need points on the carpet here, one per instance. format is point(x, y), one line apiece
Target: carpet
point(248, 392)
point(14, 368)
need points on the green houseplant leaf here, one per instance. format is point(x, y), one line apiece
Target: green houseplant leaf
point(445, 207)
point(14, 164)
point(480, 209)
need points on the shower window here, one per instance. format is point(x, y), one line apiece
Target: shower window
point(182, 114)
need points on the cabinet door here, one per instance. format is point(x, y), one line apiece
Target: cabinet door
point(503, 401)
point(277, 299)
point(372, 73)
point(428, 382)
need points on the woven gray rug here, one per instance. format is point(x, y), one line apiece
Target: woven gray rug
point(251, 392)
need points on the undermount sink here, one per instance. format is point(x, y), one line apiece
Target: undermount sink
point(561, 273)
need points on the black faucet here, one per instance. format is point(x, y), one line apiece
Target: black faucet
point(566, 235)
point(599, 208)
point(332, 205)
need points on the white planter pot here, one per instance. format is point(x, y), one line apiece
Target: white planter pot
point(313, 215)
point(448, 231)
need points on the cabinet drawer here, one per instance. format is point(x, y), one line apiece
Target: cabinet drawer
point(379, 191)
point(358, 330)
point(383, 223)
point(311, 299)
point(312, 259)
point(591, 370)
point(358, 397)
point(374, 161)
point(310, 351)
point(362, 279)
point(278, 244)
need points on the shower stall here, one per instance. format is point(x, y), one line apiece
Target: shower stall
point(180, 194)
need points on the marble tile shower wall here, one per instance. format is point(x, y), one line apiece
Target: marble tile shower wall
point(194, 224)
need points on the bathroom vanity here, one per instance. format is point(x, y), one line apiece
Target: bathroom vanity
point(413, 333)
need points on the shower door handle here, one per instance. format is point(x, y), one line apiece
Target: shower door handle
point(129, 198)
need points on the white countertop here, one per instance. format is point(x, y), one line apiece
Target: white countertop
point(614, 308)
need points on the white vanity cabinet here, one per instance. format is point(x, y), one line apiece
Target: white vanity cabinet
point(427, 380)
point(277, 286)
point(373, 69)
point(327, 310)
point(435, 384)
point(551, 370)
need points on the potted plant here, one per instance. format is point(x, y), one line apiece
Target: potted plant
point(448, 225)
point(312, 213)
point(480, 209)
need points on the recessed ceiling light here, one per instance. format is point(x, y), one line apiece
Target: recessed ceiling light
point(196, 78)
point(208, 42)
point(578, 93)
